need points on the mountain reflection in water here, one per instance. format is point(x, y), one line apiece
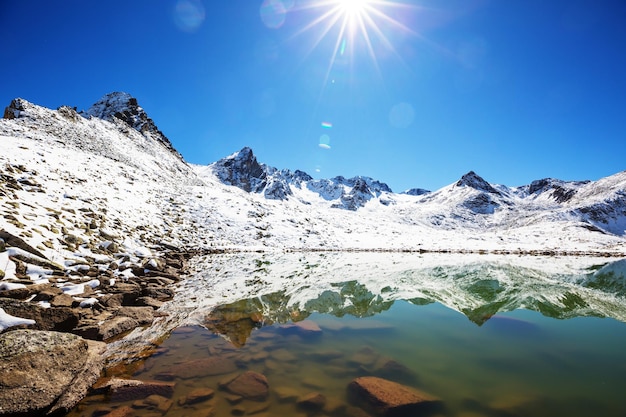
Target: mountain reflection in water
point(490, 336)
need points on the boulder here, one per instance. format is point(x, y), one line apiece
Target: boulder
point(62, 319)
point(154, 402)
point(387, 398)
point(108, 329)
point(313, 401)
point(43, 372)
point(133, 389)
point(196, 396)
point(143, 315)
point(249, 385)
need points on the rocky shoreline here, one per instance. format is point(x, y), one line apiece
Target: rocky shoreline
point(69, 309)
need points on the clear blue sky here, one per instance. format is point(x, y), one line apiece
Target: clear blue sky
point(515, 90)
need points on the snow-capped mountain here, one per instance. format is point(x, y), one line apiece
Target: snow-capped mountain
point(242, 170)
point(112, 163)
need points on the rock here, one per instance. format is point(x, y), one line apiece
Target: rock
point(154, 402)
point(204, 367)
point(44, 372)
point(391, 369)
point(287, 394)
point(161, 294)
point(47, 294)
point(250, 385)
point(60, 319)
point(11, 240)
point(3, 245)
point(153, 264)
point(149, 302)
point(133, 389)
point(62, 300)
point(111, 327)
point(112, 300)
point(143, 315)
point(387, 398)
point(129, 290)
point(313, 401)
point(196, 396)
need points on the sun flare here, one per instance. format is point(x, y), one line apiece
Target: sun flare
point(353, 8)
point(357, 26)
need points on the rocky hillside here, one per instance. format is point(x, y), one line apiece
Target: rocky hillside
point(105, 186)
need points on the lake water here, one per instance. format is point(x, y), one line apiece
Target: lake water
point(489, 337)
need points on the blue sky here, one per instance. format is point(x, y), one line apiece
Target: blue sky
point(424, 92)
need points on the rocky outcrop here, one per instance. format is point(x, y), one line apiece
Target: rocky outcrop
point(471, 179)
point(124, 107)
point(45, 372)
point(387, 398)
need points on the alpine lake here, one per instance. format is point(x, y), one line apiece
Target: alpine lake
point(479, 336)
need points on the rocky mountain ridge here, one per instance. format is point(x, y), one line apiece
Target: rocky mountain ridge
point(291, 209)
point(598, 205)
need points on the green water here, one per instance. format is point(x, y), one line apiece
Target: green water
point(519, 363)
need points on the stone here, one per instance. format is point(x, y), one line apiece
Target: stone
point(161, 294)
point(154, 264)
point(110, 328)
point(149, 302)
point(388, 398)
point(62, 300)
point(43, 372)
point(394, 370)
point(143, 315)
point(233, 399)
point(286, 394)
point(313, 401)
point(196, 396)
point(122, 390)
point(203, 367)
point(154, 402)
point(250, 385)
point(47, 294)
point(112, 300)
point(62, 319)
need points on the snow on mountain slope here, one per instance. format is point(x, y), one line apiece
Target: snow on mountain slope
point(76, 182)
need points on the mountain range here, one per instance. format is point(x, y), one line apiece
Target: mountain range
point(110, 168)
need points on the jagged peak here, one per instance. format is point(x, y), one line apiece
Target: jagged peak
point(122, 106)
point(473, 180)
point(16, 108)
point(416, 191)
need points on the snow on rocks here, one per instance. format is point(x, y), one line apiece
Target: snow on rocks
point(8, 321)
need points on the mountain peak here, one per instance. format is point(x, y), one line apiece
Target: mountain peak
point(241, 169)
point(473, 180)
point(122, 106)
point(16, 108)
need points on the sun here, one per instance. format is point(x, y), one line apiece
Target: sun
point(353, 8)
point(363, 25)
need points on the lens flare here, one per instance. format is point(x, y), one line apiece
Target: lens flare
point(189, 15)
point(324, 142)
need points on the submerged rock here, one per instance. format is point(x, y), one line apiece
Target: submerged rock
point(43, 372)
point(387, 398)
point(133, 389)
point(249, 385)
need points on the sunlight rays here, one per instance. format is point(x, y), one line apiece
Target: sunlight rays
point(355, 25)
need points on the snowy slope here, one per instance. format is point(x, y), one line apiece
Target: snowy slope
point(75, 182)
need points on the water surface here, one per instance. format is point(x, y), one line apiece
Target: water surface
point(488, 337)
